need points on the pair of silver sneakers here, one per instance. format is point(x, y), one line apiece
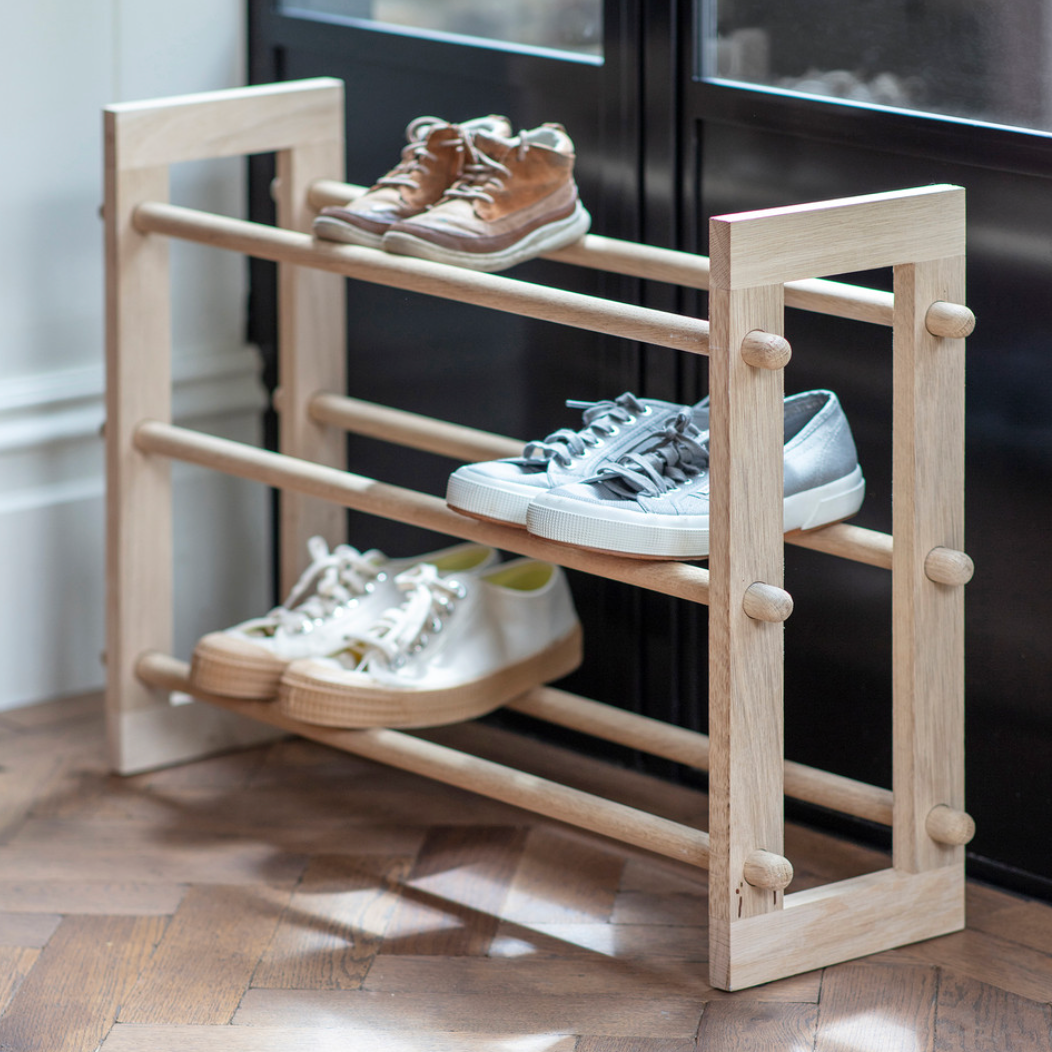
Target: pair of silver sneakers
point(634, 480)
point(366, 641)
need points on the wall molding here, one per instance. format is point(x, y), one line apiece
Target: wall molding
point(68, 405)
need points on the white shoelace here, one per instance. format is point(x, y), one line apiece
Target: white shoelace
point(681, 455)
point(333, 580)
point(601, 420)
point(404, 630)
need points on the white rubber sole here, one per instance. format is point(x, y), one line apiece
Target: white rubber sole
point(502, 502)
point(331, 229)
point(546, 238)
point(320, 695)
point(645, 535)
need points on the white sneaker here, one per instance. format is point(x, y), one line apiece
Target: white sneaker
point(501, 490)
point(340, 591)
point(454, 649)
point(655, 505)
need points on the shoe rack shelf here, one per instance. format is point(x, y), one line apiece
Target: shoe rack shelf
point(761, 261)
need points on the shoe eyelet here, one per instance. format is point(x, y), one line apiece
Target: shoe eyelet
point(646, 411)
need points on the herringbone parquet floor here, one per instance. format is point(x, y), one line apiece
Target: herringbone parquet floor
point(291, 898)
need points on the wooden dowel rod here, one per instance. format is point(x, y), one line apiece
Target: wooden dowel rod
point(764, 869)
point(420, 275)
point(443, 764)
point(849, 542)
point(405, 505)
point(677, 268)
point(946, 825)
point(692, 749)
point(411, 429)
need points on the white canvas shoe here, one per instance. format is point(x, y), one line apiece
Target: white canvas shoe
point(340, 591)
point(655, 505)
point(501, 490)
point(455, 648)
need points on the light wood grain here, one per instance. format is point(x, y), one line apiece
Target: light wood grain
point(927, 618)
point(752, 249)
point(27, 930)
point(678, 268)
point(138, 488)
point(227, 123)
point(436, 279)
point(15, 965)
point(395, 502)
point(412, 429)
point(745, 681)
point(312, 345)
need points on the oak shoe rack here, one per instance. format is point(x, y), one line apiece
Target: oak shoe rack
point(761, 261)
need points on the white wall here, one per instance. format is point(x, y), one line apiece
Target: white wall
point(63, 63)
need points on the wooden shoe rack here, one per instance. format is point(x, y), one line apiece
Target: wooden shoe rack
point(761, 261)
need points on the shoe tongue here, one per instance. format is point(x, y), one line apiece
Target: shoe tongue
point(493, 145)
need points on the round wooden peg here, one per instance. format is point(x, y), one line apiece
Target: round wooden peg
point(765, 602)
point(948, 566)
point(946, 825)
point(765, 869)
point(765, 350)
point(953, 321)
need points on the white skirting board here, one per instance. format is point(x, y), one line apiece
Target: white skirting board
point(52, 533)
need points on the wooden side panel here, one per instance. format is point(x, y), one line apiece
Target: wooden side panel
point(312, 350)
point(928, 618)
point(138, 386)
point(842, 921)
point(228, 123)
point(838, 237)
point(745, 679)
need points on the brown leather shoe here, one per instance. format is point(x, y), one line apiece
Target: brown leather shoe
point(430, 164)
point(515, 199)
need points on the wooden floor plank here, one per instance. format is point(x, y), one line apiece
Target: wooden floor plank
point(15, 963)
point(988, 958)
point(454, 894)
point(448, 1011)
point(206, 959)
point(743, 1025)
point(657, 977)
point(690, 943)
point(581, 888)
point(87, 968)
point(307, 1038)
point(45, 849)
point(589, 1043)
point(76, 896)
point(27, 929)
point(971, 1015)
point(878, 1007)
point(335, 924)
point(678, 907)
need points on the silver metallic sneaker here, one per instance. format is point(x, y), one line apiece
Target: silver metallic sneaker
point(655, 504)
point(501, 490)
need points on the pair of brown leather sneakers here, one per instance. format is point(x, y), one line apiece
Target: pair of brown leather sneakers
point(470, 194)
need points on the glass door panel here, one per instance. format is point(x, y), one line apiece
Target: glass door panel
point(980, 60)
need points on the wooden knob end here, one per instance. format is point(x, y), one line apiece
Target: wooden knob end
point(948, 566)
point(764, 869)
point(946, 825)
point(953, 321)
point(765, 350)
point(765, 602)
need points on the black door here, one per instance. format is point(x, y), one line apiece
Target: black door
point(684, 109)
point(794, 101)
